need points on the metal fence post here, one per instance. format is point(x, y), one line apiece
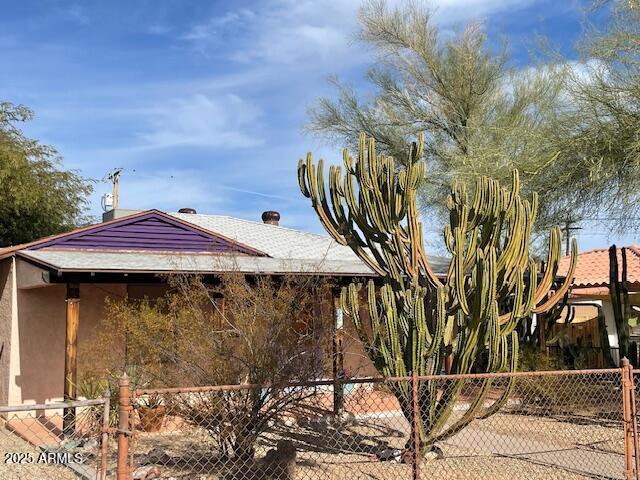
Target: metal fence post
point(633, 418)
point(132, 430)
point(124, 407)
point(634, 422)
point(415, 426)
point(627, 390)
point(104, 443)
point(338, 357)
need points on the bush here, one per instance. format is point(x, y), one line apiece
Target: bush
point(532, 360)
point(265, 330)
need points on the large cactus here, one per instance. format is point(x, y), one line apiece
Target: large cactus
point(415, 319)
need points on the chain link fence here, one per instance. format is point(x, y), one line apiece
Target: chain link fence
point(565, 424)
point(551, 425)
point(57, 441)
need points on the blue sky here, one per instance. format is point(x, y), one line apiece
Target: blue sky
point(204, 103)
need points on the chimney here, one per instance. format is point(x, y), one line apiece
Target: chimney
point(271, 217)
point(191, 211)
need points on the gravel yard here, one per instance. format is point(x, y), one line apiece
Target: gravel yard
point(29, 469)
point(505, 446)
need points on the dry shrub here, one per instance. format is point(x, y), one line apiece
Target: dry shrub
point(237, 330)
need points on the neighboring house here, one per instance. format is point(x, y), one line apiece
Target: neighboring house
point(54, 289)
point(590, 297)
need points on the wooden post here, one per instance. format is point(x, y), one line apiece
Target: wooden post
point(338, 358)
point(71, 356)
point(124, 410)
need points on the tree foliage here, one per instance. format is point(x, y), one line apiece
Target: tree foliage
point(37, 197)
point(605, 91)
point(481, 116)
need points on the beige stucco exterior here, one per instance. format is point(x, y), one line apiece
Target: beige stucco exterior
point(32, 331)
point(6, 324)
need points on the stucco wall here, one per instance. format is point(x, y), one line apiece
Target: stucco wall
point(6, 289)
point(39, 314)
point(356, 360)
point(356, 363)
point(41, 321)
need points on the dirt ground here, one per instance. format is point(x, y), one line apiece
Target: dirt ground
point(505, 446)
point(513, 444)
point(29, 469)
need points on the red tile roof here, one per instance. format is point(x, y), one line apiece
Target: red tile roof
point(592, 269)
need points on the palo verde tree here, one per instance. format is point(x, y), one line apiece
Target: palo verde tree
point(602, 141)
point(480, 115)
point(415, 318)
point(568, 125)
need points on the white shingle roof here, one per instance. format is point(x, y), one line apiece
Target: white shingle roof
point(275, 241)
point(141, 262)
point(288, 250)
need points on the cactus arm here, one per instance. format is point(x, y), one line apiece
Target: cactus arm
point(553, 256)
point(566, 284)
point(512, 367)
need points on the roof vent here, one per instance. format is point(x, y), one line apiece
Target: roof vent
point(271, 217)
point(188, 210)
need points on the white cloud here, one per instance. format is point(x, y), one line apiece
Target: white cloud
point(280, 32)
point(224, 121)
point(204, 31)
point(270, 61)
point(158, 29)
point(299, 43)
point(585, 71)
point(478, 6)
point(311, 31)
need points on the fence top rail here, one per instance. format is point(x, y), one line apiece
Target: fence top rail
point(52, 406)
point(376, 380)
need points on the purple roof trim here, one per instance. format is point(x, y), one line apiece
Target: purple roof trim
point(151, 231)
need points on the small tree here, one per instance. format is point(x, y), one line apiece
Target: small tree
point(416, 319)
point(37, 197)
point(257, 331)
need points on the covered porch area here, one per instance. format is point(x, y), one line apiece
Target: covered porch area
point(54, 311)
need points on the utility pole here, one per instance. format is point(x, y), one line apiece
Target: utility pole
point(114, 177)
point(567, 233)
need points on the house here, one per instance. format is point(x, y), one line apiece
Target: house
point(53, 290)
point(591, 309)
